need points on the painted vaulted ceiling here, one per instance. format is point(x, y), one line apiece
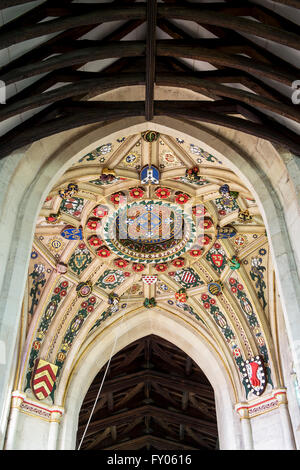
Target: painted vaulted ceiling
point(213, 269)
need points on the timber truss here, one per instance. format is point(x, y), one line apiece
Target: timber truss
point(241, 90)
point(146, 404)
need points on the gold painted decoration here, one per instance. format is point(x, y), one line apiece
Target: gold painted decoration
point(244, 216)
point(150, 136)
point(84, 289)
point(181, 295)
point(152, 229)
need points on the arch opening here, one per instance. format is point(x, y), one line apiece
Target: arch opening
point(154, 397)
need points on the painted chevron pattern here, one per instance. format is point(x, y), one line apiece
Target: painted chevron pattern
point(43, 379)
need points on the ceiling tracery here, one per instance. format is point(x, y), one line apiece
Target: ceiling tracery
point(213, 268)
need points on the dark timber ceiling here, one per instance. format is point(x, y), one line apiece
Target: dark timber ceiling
point(245, 81)
point(153, 397)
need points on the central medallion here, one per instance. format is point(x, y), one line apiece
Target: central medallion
point(149, 231)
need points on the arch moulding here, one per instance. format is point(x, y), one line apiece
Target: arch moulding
point(127, 330)
point(29, 174)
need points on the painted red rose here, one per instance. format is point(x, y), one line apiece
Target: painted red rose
point(163, 193)
point(93, 224)
point(100, 211)
point(195, 252)
point(199, 210)
point(178, 263)
point(181, 198)
point(205, 223)
point(121, 263)
point(52, 218)
point(95, 241)
point(205, 240)
point(116, 198)
point(103, 252)
point(161, 267)
point(138, 267)
point(136, 193)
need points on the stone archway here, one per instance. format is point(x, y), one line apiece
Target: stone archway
point(56, 151)
point(153, 397)
point(172, 329)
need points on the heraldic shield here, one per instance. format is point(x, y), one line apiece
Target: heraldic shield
point(43, 378)
point(254, 374)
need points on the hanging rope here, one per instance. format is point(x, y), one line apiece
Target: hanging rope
point(101, 385)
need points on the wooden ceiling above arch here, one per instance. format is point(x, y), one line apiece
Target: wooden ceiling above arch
point(145, 404)
point(247, 48)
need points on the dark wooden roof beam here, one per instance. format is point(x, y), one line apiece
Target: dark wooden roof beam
point(150, 58)
point(92, 112)
point(195, 12)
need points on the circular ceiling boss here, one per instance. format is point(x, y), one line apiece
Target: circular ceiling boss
point(150, 231)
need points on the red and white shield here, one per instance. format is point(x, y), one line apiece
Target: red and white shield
point(43, 378)
point(149, 279)
point(188, 277)
point(254, 374)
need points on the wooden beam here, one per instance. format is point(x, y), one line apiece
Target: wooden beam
point(196, 12)
point(270, 130)
point(68, 75)
point(165, 48)
point(192, 82)
point(156, 442)
point(207, 427)
point(29, 18)
point(190, 50)
point(99, 14)
point(150, 58)
point(234, 43)
point(12, 3)
point(91, 112)
point(290, 3)
point(45, 49)
point(150, 376)
point(202, 13)
point(99, 51)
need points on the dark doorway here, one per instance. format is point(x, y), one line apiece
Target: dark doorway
point(154, 397)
